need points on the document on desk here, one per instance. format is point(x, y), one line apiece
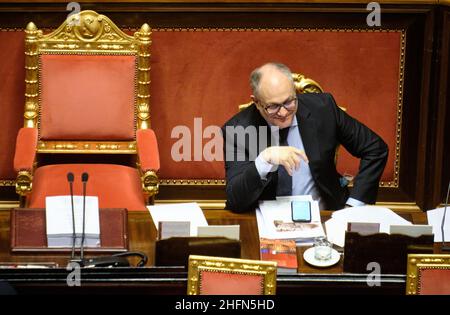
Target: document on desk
point(190, 212)
point(228, 231)
point(58, 214)
point(435, 220)
point(337, 225)
point(274, 221)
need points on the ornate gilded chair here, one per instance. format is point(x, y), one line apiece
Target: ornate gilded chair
point(87, 110)
point(230, 276)
point(428, 274)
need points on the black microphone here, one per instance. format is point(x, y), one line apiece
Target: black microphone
point(70, 179)
point(445, 248)
point(84, 179)
point(116, 260)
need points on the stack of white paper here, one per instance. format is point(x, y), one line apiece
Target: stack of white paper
point(60, 224)
point(190, 212)
point(275, 221)
point(435, 220)
point(337, 225)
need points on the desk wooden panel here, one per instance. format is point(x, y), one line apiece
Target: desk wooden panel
point(163, 280)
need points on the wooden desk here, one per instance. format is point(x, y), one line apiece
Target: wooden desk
point(164, 280)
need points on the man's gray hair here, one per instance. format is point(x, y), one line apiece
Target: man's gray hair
point(255, 76)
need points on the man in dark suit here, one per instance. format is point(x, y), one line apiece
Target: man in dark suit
point(285, 145)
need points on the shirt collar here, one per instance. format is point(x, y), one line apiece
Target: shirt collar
point(294, 121)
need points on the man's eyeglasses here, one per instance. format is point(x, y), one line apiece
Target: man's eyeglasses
point(273, 109)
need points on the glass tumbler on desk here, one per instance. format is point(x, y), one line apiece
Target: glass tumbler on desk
point(322, 248)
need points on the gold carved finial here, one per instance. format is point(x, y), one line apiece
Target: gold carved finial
point(145, 28)
point(144, 33)
point(31, 27)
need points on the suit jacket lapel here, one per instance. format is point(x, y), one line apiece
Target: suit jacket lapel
point(261, 124)
point(307, 126)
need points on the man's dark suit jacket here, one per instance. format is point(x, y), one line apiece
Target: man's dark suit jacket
point(322, 125)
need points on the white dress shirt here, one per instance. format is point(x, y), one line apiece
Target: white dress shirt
point(302, 180)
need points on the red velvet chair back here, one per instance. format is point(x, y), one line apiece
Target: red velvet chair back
point(87, 97)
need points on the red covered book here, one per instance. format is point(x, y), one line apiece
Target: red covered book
point(283, 251)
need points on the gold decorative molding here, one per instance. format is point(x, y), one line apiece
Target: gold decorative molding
point(143, 97)
point(398, 129)
point(411, 207)
point(419, 262)
point(7, 205)
point(189, 182)
point(7, 182)
point(281, 29)
point(87, 147)
point(32, 34)
point(88, 31)
point(266, 269)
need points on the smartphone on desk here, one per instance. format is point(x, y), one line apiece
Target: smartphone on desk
point(301, 211)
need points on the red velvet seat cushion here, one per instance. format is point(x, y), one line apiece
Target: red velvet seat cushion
point(116, 186)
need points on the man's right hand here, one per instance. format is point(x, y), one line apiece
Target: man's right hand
point(289, 157)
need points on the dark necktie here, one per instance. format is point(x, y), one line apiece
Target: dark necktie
point(284, 187)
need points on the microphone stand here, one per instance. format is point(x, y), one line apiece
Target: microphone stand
point(84, 178)
point(70, 179)
point(73, 222)
point(117, 260)
point(444, 247)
